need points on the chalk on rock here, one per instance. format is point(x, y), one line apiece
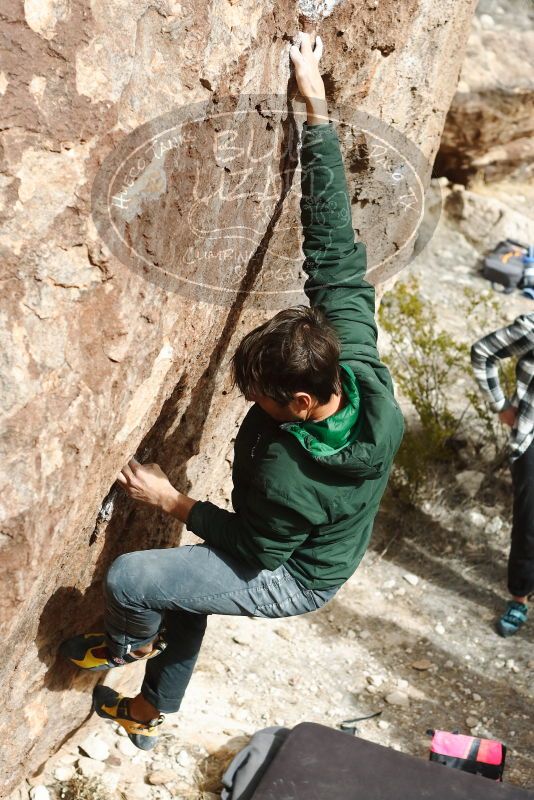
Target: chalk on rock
point(317, 9)
point(413, 580)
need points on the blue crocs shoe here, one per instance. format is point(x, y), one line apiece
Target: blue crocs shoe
point(513, 618)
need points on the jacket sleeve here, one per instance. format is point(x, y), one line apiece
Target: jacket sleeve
point(335, 264)
point(513, 340)
point(264, 533)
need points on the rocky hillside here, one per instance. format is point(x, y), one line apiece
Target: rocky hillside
point(489, 132)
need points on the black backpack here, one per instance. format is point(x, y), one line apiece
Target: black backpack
point(507, 264)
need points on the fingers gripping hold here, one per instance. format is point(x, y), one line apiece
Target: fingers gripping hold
point(127, 474)
point(310, 84)
point(302, 47)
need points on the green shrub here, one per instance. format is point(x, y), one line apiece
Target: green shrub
point(432, 370)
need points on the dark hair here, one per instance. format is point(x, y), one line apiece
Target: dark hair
point(295, 351)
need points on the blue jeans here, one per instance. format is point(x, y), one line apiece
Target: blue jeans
point(176, 588)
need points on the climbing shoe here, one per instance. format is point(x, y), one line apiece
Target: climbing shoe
point(513, 618)
point(90, 651)
point(109, 704)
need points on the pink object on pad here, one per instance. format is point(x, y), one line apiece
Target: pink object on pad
point(468, 753)
point(460, 746)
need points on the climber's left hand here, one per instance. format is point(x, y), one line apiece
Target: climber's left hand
point(146, 482)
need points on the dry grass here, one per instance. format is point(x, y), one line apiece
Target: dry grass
point(211, 768)
point(82, 788)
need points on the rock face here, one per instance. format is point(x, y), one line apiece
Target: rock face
point(489, 131)
point(485, 221)
point(104, 355)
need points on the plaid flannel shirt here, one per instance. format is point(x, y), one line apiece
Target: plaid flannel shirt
point(516, 339)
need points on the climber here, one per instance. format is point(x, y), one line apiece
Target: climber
point(312, 461)
point(517, 339)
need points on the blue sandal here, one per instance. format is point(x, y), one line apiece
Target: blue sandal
point(513, 618)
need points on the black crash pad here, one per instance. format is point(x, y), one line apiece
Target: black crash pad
point(319, 763)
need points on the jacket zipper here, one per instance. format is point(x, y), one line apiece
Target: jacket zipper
point(254, 447)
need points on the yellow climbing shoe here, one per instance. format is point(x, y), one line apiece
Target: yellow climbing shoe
point(109, 704)
point(90, 651)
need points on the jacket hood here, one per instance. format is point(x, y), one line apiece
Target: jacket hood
point(368, 430)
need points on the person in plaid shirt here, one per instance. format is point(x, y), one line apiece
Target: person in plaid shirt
point(516, 340)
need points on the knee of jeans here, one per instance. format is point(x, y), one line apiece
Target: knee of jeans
point(119, 576)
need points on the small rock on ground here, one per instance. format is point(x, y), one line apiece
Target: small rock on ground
point(95, 747)
point(161, 776)
point(397, 698)
point(90, 768)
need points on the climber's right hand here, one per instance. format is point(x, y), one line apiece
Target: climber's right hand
point(146, 482)
point(306, 62)
point(508, 416)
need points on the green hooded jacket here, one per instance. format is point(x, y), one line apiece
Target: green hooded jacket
point(306, 493)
